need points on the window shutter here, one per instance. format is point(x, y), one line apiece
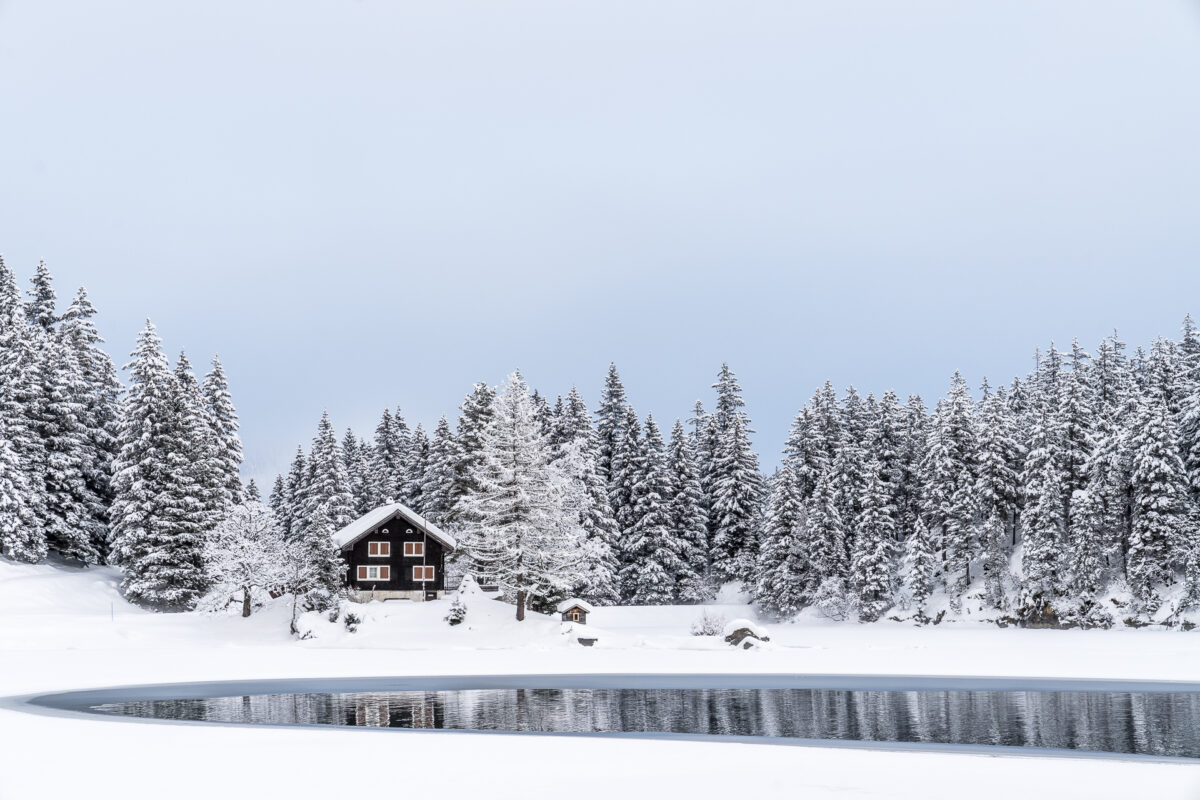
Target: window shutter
point(385, 548)
point(373, 548)
point(362, 573)
point(385, 573)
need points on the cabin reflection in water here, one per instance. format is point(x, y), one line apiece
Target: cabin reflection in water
point(1119, 722)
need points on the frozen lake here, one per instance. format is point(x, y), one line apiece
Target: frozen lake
point(1150, 720)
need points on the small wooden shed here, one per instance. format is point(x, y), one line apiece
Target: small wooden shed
point(575, 610)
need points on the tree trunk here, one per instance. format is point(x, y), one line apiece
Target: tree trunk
point(520, 605)
point(245, 601)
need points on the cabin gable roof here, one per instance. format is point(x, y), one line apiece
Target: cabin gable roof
point(368, 522)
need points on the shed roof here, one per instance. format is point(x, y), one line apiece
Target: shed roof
point(567, 605)
point(376, 517)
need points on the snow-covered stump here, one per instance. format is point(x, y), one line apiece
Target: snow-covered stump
point(744, 634)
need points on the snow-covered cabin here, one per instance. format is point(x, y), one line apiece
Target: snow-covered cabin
point(393, 553)
point(574, 610)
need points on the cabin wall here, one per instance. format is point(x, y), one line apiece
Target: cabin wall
point(398, 532)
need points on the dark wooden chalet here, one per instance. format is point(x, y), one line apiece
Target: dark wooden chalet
point(393, 553)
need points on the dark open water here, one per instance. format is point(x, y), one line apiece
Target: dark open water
point(1162, 723)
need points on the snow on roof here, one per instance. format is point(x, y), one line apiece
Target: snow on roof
point(737, 624)
point(376, 517)
point(567, 605)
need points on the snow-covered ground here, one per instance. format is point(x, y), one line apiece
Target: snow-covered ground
point(64, 629)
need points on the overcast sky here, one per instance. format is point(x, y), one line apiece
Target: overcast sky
point(361, 204)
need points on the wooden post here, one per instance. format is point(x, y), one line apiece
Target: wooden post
point(520, 605)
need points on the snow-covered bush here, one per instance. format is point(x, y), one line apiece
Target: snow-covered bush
point(352, 621)
point(1085, 614)
point(458, 612)
point(710, 624)
point(832, 600)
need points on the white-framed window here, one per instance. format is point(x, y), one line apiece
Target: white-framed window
point(380, 573)
point(414, 549)
point(422, 574)
point(574, 615)
point(379, 549)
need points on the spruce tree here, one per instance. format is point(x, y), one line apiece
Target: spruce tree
point(158, 523)
point(522, 533)
point(651, 552)
point(920, 568)
point(98, 409)
point(826, 535)
point(625, 470)
point(948, 479)
point(476, 414)
point(20, 538)
point(688, 524)
point(356, 454)
point(610, 421)
point(1159, 498)
point(328, 485)
point(871, 564)
point(252, 494)
point(414, 470)
point(782, 575)
point(227, 444)
point(385, 477)
point(437, 483)
point(575, 454)
point(291, 513)
point(736, 505)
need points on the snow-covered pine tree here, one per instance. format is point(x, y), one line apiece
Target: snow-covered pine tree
point(20, 539)
point(245, 553)
point(414, 469)
point(1085, 545)
point(328, 485)
point(871, 567)
point(826, 535)
point(209, 491)
point(993, 539)
point(734, 488)
point(385, 476)
point(521, 533)
point(948, 478)
point(688, 524)
point(575, 454)
point(782, 574)
point(476, 412)
point(736, 505)
point(99, 408)
point(625, 470)
point(291, 513)
point(651, 552)
point(1078, 414)
point(252, 494)
point(438, 482)
point(1159, 498)
point(24, 525)
point(356, 454)
point(913, 449)
point(610, 421)
point(72, 514)
point(40, 309)
point(997, 482)
point(318, 578)
point(1043, 533)
point(223, 424)
point(157, 522)
point(920, 568)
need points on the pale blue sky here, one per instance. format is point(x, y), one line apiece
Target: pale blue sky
point(369, 203)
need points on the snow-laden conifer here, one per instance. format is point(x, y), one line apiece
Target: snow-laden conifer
point(651, 552)
point(158, 523)
point(688, 522)
point(782, 574)
point(871, 568)
point(226, 442)
point(521, 531)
